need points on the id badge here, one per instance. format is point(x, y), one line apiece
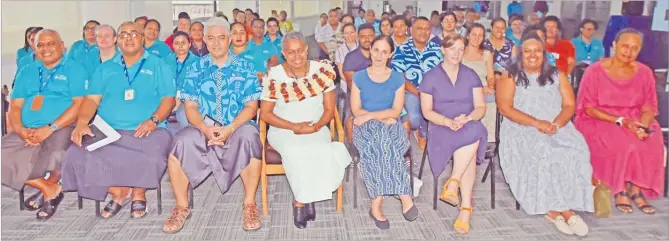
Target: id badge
point(37, 103)
point(129, 94)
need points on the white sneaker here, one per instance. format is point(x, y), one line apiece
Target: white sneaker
point(417, 183)
point(560, 224)
point(577, 225)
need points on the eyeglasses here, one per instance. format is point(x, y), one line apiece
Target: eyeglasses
point(104, 36)
point(133, 34)
point(89, 28)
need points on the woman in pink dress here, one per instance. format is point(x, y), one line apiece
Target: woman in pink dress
point(616, 109)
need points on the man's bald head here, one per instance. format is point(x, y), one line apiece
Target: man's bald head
point(49, 47)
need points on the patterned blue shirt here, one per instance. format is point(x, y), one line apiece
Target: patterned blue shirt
point(414, 63)
point(221, 92)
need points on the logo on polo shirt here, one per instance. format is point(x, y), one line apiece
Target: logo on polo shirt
point(249, 57)
point(146, 72)
point(60, 77)
point(265, 51)
point(155, 52)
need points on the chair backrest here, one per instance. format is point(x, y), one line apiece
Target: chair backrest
point(577, 75)
point(663, 117)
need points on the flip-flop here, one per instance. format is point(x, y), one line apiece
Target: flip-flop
point(643, 208)
point(138, 206)
point(112, 208)
point(37, 198)
point(49, 207)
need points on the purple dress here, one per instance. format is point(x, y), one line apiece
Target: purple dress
point(450, 101)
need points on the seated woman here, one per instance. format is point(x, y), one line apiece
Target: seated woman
point(105, 38)
point(179, 61)
point(377, 99)
point(451, 97)
point(45, 101)
point(543, 157)
point(133, 93)
point(298, 102)
point(478, 58)
point(617, 105)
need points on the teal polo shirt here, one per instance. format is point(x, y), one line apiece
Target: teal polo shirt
point(262, 52)
point(21, 52)
point(159, 48)
point(595, 49)
point(80, 49)
point(26, 60)
point(61, 83)
point(153, 81)
point(277, 44)
point(92, 60)
point(179, 68)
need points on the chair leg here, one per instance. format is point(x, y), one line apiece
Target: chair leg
point(97, 209)
point(356, 161)
point(517, 205)
point(487, 170)
point(263, 195)
point(80, 201)
point(22, 200)
point(340, 197)
point(492, 181)
point(190, 197)
point(434, 197)
point(159, 197)
point(411, 173)
point(422, 164)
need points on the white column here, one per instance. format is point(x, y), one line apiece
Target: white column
point(504, 4)
point(555, 8)
point(616, 7)
point(425, 7)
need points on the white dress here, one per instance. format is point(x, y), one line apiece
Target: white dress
point(314, 165)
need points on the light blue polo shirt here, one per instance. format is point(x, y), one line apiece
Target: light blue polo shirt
point(154, 81)
point(263, 52)
point(80, 49)
point(179, 68)
point(62, 83)
point(21, 52)
point(91, 61)
point(159, 48)
point(595, 49)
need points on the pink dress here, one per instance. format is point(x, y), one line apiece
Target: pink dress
point(617, 156)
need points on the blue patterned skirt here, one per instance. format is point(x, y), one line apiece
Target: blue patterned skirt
point(382, 149)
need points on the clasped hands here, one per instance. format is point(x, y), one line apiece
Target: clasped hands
point(33, 137)
point(304, 128)
point(545, 127)
point(217, 135)
point(455, 123)
point(358, 121)
point(636, 127)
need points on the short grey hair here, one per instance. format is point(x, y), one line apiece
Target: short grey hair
point(629, 30)
point(103, 26)
point(292, 36)
point(217, 22)
point(47, 30)
point(128, 23)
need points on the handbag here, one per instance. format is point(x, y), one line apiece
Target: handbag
point(602, 198)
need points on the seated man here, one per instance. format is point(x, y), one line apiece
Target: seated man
point(45, 101)
point(134, 93)
point(220, 140)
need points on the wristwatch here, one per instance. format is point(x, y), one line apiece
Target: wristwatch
point(619, 121)
point(155, 120)
point(53, 127)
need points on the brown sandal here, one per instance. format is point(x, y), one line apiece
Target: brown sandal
point(251, 217)
point(177, 219)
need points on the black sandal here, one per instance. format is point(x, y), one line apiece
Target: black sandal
point(37, 198)
point(620, 206)
point(643, 208)
point(112, 208)
point(138, 206)
point(49, 207)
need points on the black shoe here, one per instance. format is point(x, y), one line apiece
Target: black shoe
point(300, 217)
point(311, 211)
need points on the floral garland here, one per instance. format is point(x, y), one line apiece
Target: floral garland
point(302, 88)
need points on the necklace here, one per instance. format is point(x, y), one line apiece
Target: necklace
point(292, 71)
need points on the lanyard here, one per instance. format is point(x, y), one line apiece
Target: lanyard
point(183, 65)
point(125, 70)
point(588, 48)
point(349, 49)
point(44, 83)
